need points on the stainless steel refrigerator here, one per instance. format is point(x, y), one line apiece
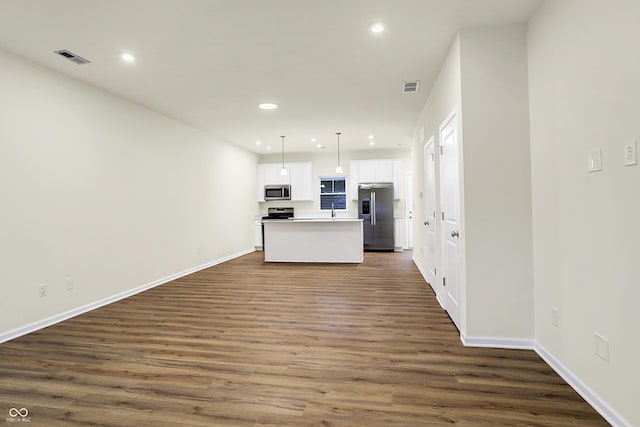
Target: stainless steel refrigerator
point(375, 207)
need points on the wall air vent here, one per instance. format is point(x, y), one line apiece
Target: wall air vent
point(408, 87)
point(72, 57)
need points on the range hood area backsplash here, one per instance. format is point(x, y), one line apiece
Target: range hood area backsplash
point(310, 209)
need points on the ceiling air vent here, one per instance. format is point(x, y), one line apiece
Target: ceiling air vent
point(72, 57)
point(408, 87)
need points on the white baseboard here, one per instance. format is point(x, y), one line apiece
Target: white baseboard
point(424, 276)
point(32, 327)
point(497, 342)
point(417, 264)
point(604, 409)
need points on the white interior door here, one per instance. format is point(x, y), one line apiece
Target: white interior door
point(431, 225)
point(450, 206)
point(409, 216)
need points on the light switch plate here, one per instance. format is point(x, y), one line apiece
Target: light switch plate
point(555, 317)
point(631, 153)
point(594, 161)
point(601, 346)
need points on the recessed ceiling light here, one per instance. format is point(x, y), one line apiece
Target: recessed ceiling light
point(313, 140)
point(372, 143)
point(320, 146)
point(376, 27)
point(258, 142)
point(267, 106)
point(127, 57)
point(268, 148)
point(370, 136)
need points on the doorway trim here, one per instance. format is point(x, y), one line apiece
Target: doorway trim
point(451, 264)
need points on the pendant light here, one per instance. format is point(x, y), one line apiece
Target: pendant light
point(339, 168)
point(283, 171)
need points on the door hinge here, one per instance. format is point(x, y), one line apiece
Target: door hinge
point(441, 152)
point(444, 281)
point(442, 215)
point(435, 271)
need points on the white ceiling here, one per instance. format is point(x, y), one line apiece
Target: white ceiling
point(209, 63)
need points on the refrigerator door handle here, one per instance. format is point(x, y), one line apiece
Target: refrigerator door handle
point(373, 208)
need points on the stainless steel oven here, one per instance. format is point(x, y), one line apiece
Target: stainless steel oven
point(277, 192)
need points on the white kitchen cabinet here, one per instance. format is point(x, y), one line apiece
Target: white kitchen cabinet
point(271, 173)
point(299, 176)
point(367, 171)
point(378, 170)
point(301, 179)
point(257, 227)
point(384, 171)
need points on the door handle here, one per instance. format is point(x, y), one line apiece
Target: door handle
point(373, 208)
point(426, 223)
point(455, 234)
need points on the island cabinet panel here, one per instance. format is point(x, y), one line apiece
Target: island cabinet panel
point(378, 170)
point(299, 176)
point(333, 240)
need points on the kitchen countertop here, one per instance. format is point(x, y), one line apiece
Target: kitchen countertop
point(315, 220)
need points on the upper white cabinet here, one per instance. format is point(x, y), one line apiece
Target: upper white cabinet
point(272, 175)
point(384, 171)
point(299, 176)
point(375, 171)
point(366, 171)
point(301, 181)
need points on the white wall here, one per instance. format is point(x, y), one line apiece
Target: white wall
point(445, 96)
point(496, 208)
point(484, 79)
point(584, 91)
point(107, 192)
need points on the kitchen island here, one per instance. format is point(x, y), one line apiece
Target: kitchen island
point(337, 240)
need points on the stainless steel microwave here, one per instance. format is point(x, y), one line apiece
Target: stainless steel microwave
point(277, 192)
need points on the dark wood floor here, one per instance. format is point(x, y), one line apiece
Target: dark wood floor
point(253, 344)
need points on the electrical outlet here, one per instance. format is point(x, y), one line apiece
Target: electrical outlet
point(601, 346)
point(631, 153)
point(555, 317)
point(43, 290)
point(69, 284)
